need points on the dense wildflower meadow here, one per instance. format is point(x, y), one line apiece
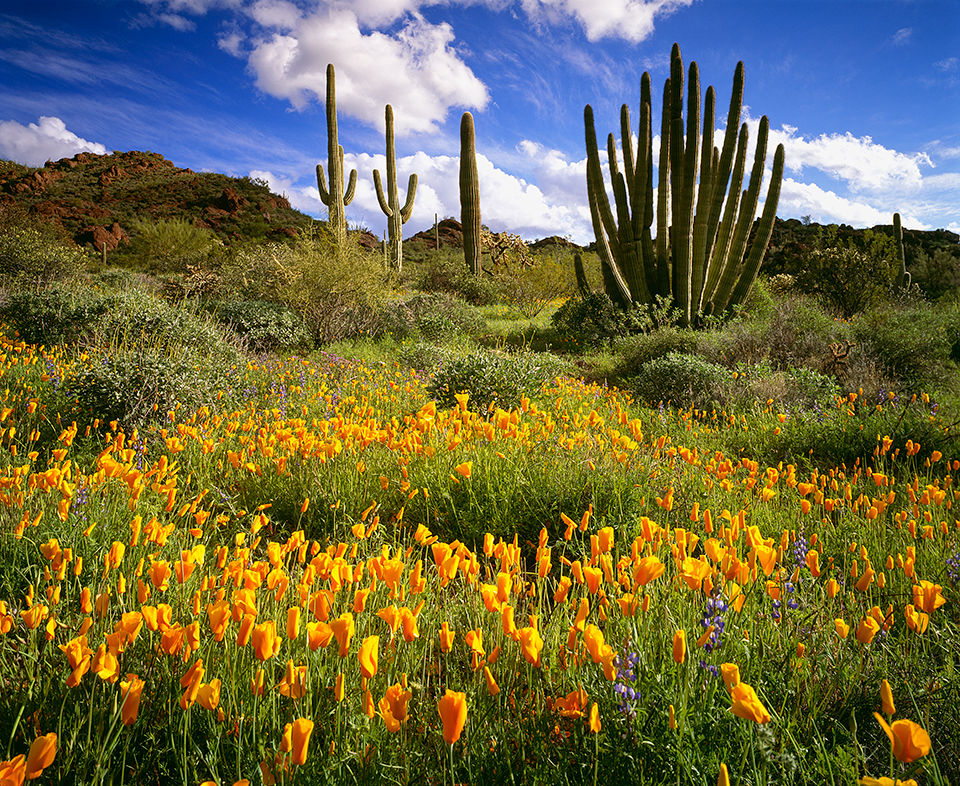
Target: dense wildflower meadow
point(328, 578)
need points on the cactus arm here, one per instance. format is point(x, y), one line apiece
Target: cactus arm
point(704, 194)
point(351, 185)
point(470, 195)
point(764, 232)
point(322, 186)
point(381, 197)
point(407, 210)
point(745, 219)
point(682, 240)
point(629, 163)
point(613, 282)
point(719, 256)
point(663, 197)
point(595, 181)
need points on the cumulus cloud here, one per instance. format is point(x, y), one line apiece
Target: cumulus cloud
point(864, 165)
point(37, 143)
point(631, 20)
point(417, 69)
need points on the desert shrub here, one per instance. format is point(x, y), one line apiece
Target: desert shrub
point(850, 277)
point(339, 291)
point(58, 314)
point(937, 273)
point(167, 246)
point(592, 320)
point(637, 350)
point(684, 380)
point(440, 316)
point(790, 389)
point(262, 325)
point(445, 271)
point(36, 257)
point(912, 343)
point(137, 384)
point(532, 288)
point(493, 377)
point(795, 331)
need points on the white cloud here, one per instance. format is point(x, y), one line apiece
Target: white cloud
point(37, 143)
point(416, 69)
point(864, 165)
point(302, 198)
point(631, 20)
point(903, 36)
point(950, 64)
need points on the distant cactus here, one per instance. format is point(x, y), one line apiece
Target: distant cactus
point(583, 286)
point(701, 260)
point(335, 197)
point(469, 195)
point(904, 279)
point(390, 201)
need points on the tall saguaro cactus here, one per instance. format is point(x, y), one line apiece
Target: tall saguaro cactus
point(903, 277)
point(390, 201)
point(701, 259)
point(335, 197)
point(469, 195)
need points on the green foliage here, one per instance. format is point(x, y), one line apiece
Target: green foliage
point(913, 342)
point(58, 314)
point(684, 380)
point(338, 291)
point(168, 245)
point(593, 319)
point(637, 350)
point(850, 276)
point(936, 272)
point(492, 378)
point(444, 271)
point(530, 289)
point(440, 317)
point(262, 325)
point(36, 257)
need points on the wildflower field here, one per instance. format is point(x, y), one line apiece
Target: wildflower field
point(328, 578)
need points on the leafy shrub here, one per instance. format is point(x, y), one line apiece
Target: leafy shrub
point(36, 257)
point(339, 291)
point(531, 289)
point(637, 350)
point(445, 271)
point(913, 343)
point(492, 378)
point(264, 326)
point(59, 314)
point(593, 319)
point(684, 380)
point(168, 246)
point(850, 277)
point(440, 316)
point(793, 389)
point(137, 384)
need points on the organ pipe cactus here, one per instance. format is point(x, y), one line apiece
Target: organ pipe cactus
point(702, 258)
point(903, 277)
point(469, 195)
point(390, 201)
point(334, 196)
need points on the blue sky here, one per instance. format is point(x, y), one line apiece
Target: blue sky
point(864, 94)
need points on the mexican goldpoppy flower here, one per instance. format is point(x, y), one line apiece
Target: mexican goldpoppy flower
point(909, 740)
point(453, 712)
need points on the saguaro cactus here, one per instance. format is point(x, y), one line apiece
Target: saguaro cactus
point(701, 259)
point(469, 195)
point(390, 201)
point(335, 197)
point(903, 277)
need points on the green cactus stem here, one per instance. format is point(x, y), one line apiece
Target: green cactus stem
point(904, 279)
point(334, 196)
point(390, 201)
point(702, 258)
point(469, 195)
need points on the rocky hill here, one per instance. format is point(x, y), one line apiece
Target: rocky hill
point(95, 199)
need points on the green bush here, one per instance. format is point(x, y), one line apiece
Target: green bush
point(636, 351)
point(36, 258)
point(492, 378)
point(168, 246)
point(263, 326)
point(850, 277)
point(339, 291)
point(531, 289)
point(683, 380)
point(445, 271)
point(443, 317)
point(591, 320)
point(912, 342)
point(58, 314)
